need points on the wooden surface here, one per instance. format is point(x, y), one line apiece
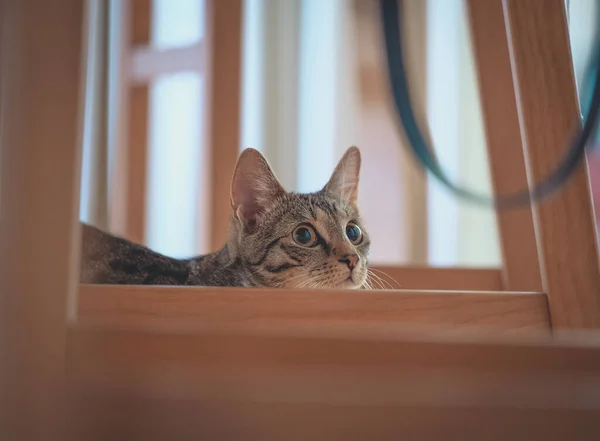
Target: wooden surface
point(433, 278)
point(505, 151)
point(549, 112)
point(39, 240)
point(108, 417)
point(173, 308)
point(223, 111)
point(323, 386)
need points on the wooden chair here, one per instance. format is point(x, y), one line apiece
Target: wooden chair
point(91, 362)
point(509, 172)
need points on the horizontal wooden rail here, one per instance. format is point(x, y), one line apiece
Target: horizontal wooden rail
point(352, 386)
point(148, 63)
point(189, 307)
point(424, 277)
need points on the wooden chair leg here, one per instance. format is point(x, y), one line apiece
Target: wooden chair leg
point(521, 270)
point(549, 112)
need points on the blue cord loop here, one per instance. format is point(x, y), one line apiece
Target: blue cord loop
point(391, 19)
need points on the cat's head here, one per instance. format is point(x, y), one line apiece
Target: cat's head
point(293, 240)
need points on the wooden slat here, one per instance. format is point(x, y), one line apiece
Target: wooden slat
point(141, 22)
point(433, 278)
point(39, 240)
point(137, 160)
point(190, 307)
point(351, 386)
point(223, 110)
point(147, 64)
point(136, 149)
point(505, 151)
point(549, 113)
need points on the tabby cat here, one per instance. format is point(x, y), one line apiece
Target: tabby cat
point(275, 239)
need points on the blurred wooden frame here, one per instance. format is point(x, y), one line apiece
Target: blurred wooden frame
point(98, 362)
point(221, 71)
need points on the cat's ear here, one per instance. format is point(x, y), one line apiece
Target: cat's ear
point(343, 183)
point(253, 187)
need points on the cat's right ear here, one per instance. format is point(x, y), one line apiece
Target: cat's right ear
point(253, 187)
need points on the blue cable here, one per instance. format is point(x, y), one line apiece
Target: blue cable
point(391, 19)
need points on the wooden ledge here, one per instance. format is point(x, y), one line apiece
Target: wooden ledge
point(189, 307)
point(352, 348)
point(237, 385)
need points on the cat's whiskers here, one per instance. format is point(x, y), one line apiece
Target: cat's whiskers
point(307, 277)
point(374, 282)
point(303, 284)
point(308, 283)
point(385, 283)
point(385, 275)
point(316, 282)
point(296, 277)
point(367, 285)
point(382, 283)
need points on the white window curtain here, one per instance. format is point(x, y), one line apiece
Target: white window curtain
point(176, 155)
point(298, 87)
point(271, 61)
point(94, 207)
point(460, 234)
point(327, 125)
point(425, 224)
point(582, 29)
point(103, 115)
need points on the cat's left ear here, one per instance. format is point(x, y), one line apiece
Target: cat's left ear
point(254, 187)
point(343, 183)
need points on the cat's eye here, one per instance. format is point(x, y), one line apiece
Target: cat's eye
point(305, 235)
point(354, 233)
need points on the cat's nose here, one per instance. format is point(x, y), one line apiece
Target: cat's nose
point(350, 259)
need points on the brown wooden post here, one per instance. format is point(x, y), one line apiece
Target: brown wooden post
point(521, 269)
point(39, 230)
point(223, 107)
point(137, 130)
point(549, 113)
